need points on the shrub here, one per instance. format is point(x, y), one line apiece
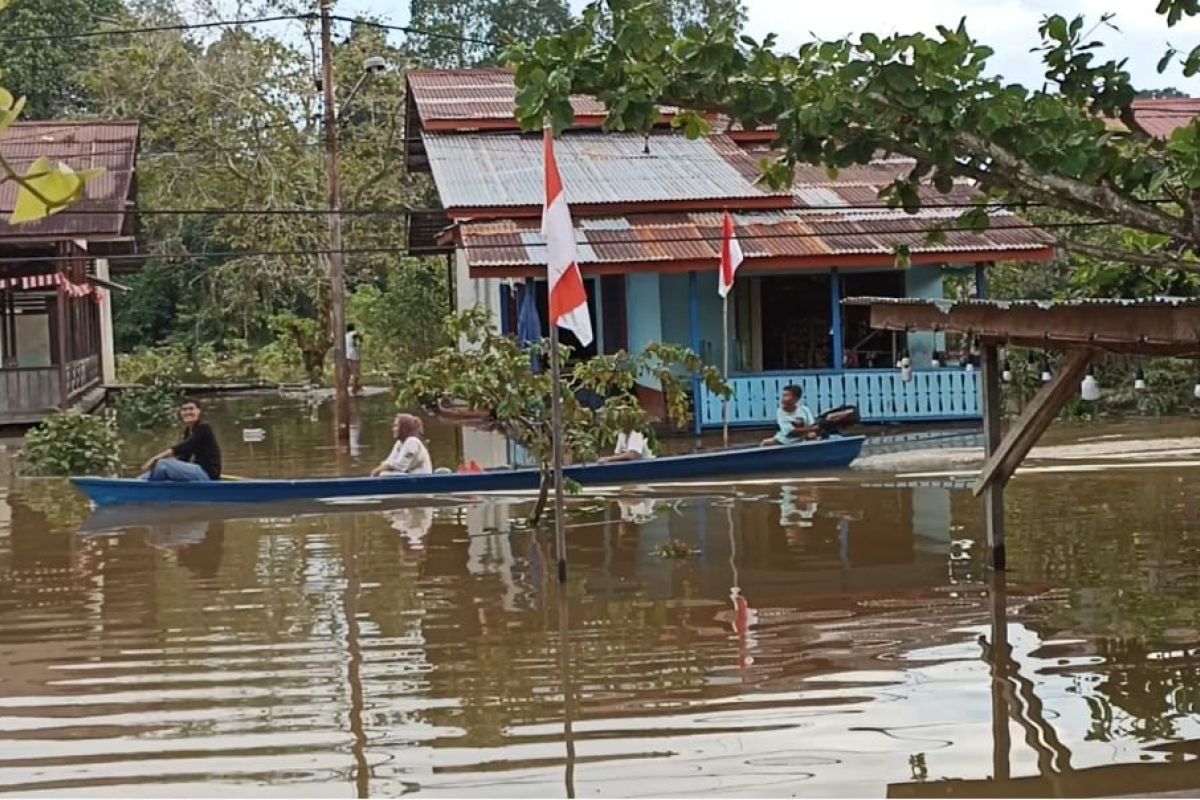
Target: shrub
point(165, 362)
point(70, 443)
point(152, 405)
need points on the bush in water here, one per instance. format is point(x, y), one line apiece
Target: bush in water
point(70, 443)
point(153, 405)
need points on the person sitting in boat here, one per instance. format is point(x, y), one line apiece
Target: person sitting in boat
point(196, 458)
point(631, 446)
point(409, 455)
point(795, 421)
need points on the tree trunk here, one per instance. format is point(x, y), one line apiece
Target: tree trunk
point(539, 507)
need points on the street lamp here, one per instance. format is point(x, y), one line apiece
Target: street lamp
point(374, 65)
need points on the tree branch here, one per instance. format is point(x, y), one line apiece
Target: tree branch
point(1161, 260)
point(1102, 200)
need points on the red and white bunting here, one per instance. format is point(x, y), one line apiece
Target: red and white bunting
point(48, 281)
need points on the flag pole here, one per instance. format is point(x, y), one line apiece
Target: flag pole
point(560, 534)
point(725, 366)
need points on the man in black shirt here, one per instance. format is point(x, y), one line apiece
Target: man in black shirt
point(196, 458)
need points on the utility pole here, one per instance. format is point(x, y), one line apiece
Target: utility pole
point(337, 280)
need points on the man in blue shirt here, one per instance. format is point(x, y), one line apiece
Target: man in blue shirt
point(795, 421)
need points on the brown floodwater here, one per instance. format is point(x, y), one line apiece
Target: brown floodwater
point(835, 636)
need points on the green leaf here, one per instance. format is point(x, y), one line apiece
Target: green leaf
point(48, 189)
point(10, 111)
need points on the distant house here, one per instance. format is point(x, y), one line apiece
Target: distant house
point(56, 343)
point(1161, 117)
point(648, 212)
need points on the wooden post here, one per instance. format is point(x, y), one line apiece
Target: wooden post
point(993, 496)
point(694, 329)
point(64, 355)
point(1033, 421)
point(337, 282)
point(981, 282)
point(1001, 741)
point(837, 359)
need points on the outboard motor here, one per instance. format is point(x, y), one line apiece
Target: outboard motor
point(831, 422)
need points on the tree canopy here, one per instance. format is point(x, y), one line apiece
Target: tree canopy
point(457, 34)
point(1074, 145)
point(231, 134)
point(38, 60)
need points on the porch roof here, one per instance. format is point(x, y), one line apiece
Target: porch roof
point(1163, 326)
point(101, 214)
point(775, 240)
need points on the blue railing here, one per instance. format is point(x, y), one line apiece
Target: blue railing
point(934, 395)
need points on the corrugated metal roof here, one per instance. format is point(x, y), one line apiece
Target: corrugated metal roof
point(489, 171)
point(659, 238)
point(464, 95)
point(1160, 118)
point(1044, 305)
point(81, 145)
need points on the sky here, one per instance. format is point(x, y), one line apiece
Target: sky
point(1008, 26)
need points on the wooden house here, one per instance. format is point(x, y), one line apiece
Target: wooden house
point(647, 211)
point(56, 342)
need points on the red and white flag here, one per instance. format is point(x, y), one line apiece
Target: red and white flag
point(568, 297)
point(731, 256)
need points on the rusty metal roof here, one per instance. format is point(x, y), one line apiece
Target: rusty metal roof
point(946, 306)
point(1160, 118)
point(472, 99)
point(505, 171)
point(80, 145)
point(777, 238)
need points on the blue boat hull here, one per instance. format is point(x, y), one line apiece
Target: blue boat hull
point(833, 453)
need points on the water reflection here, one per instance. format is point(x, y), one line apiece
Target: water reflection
point(829, 639)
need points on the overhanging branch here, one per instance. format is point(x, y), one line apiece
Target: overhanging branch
point(1161, 260)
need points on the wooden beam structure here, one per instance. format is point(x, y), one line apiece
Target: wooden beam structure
point(993, 416)
point(1033, 422)
point(1163, 327)
point(1149, 328)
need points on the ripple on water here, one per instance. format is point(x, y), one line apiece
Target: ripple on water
point(332, 654)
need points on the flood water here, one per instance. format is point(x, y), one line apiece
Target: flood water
point(837, 636)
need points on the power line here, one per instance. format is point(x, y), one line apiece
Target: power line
point(191, 26)
point(182, 26)
point(417, 31)
point(798, 211)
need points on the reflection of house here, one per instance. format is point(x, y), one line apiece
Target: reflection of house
point(648, 211)
point(56, 346)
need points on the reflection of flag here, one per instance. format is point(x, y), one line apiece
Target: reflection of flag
point(731, 256)
point(568, 297)
point(743, 615)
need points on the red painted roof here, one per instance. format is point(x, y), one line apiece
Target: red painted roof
point(778, 239)
point(477, 99)
point(1160, 118)
point(80, 145)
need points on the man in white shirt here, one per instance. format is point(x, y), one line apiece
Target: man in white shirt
point(795, 422)
point(631, 446)
point(353, 361)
